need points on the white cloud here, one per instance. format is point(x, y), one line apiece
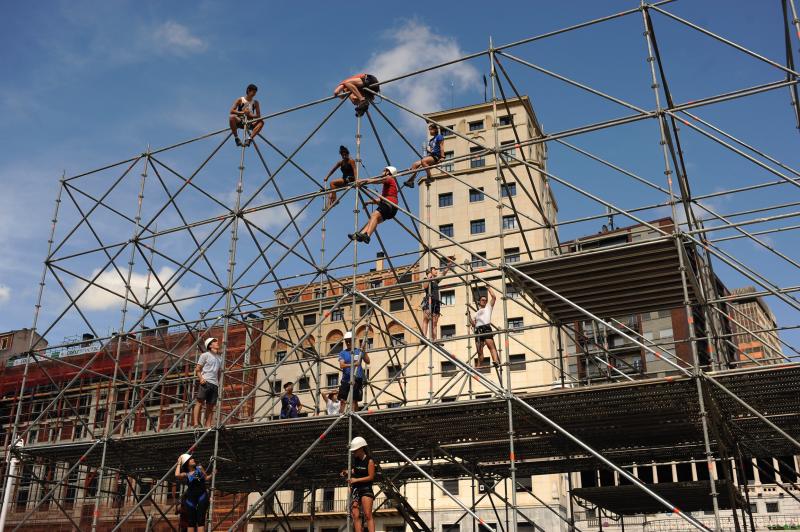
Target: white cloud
point(415, 46)
point(176, 39)
point(96, 298)
point(5, 293)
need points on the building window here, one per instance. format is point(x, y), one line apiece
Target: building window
point(452, 487)
point(444, 261)
point(398, 340)
point(509, 222)
point(475, 125)
point(447, 331)
point(376, 283)
point(320, 293)
point(753, 508)
point(512, 292)
point(337, 315)
point(5, 342)
point(446, 199)
point(507, 151)
point(309, 319)
point(446, 230)
point(448, 167)
point(332, 379)
point(283, 324)
point(449, 131)
point(517, 362)
point(505, 120)
point(524, 484)
point(393, 370)
point(396, 304)
point(477, 161)
point(475, 194)
point(448, 368)
point(508, 189)
point(280, 355)
point(515, 323)
point(447, 297)
point(478, 260)
point(336, 348)
point(302, 384)
point(362, 309)
point(772, 508)
point(451, 527)
point(477, 226)
point(511, 254)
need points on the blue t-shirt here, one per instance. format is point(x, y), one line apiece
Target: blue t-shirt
point(344, 356)
point(289, 406)
point(435, 145)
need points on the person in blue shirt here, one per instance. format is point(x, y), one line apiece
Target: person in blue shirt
point(434, 154)
point(290, 403)
point(194, 503)
point(351, 357)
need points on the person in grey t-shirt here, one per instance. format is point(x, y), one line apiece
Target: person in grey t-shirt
point(208, 368)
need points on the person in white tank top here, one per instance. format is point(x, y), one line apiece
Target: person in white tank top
point(482, 322)
point(246, 107)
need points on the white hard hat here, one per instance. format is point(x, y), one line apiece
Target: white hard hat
point(184, 458)
point(208, 342)
point(392, 170)
point(348, 335)
point(357, 443)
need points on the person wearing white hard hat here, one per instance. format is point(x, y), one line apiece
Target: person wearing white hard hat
point(194, 503)
point(433, 154)
point(207, 370)
point(350, 358)
point(387, 203)
point(362, 475)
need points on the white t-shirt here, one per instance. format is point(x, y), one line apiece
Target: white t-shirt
point(246, 106)
point(211, 365)
point(333, 407)
point(484, 316)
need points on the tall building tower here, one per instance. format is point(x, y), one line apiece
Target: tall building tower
point(755, 329)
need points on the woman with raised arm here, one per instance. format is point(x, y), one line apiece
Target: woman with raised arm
point(194, 503)
point(361, 479)
point(348, 168)
point(482, 322)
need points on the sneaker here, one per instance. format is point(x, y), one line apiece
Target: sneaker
point(352, 236)
point(238, 141)
point(365, 238)
point(247, 143)
point(361, 108)
point(409, 182)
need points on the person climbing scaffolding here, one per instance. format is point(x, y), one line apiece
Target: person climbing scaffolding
point(355, 85)
point(387, 203)
point(482, 322)
point(433, 154)
point(348, 168)
point(194, 503)
point(432, 304)
point(362, 476)
point(246, 108)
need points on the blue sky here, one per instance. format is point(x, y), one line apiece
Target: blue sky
point(89, 83)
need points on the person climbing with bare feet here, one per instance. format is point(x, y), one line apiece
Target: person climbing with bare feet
point(348, 168)
point(246, 108)
point(355, 86)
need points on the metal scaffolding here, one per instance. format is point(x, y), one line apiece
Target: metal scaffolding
point(716, 407)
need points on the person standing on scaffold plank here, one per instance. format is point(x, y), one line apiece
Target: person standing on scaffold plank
point(432, 304)
point(351, 357)
point(433, 154)
point(194, 503)
point(207, 370)
point(482, 322)
point(348, 168)
point(246, 107)
point(361, 478)
point(354, 84)
point(387, 204)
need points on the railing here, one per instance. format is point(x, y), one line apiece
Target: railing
point(675, 524)
point(331, 506)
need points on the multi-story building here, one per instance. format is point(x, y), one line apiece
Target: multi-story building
point(464, 210)
point(12, 343)
point(81, 413)
point(761, 344)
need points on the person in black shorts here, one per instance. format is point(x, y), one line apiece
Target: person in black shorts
point(387, 203)
point(483, 326)
point(208, 370)
point(433, 154)
point(348, 168)
point(194, 503)
point(350, 359)
point(432, 304)
point(361, 478)
point(355, 85)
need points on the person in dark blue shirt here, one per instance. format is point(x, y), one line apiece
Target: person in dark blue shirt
point(290, 403)
point(351, 357)
point(194, 503)
point(434, 154)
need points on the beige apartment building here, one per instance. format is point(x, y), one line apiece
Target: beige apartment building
point(752, 314)
point(465, 210)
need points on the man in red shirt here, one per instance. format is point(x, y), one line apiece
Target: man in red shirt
point(387, 204)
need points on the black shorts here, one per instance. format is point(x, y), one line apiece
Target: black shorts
point(208, 393)
point(370, 82)
point(483, 333)
point(348, 179)
point(435, 306)
point(362, 491)
point(387, 210)
point(195, 513)
point(358, 390)
point(436, 158)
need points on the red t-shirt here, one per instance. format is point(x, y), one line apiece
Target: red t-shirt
point(390, 189)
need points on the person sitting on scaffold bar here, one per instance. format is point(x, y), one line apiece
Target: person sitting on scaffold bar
point(433, 154)
point(432, 304)
point(387, 204)
point(362, 475)
point(354, 84)
point(246, 107)
point(482, 322)
point(194, 503)
point(348, 168)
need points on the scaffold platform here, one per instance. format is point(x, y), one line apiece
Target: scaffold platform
point(630, 500)
point(653, 420)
